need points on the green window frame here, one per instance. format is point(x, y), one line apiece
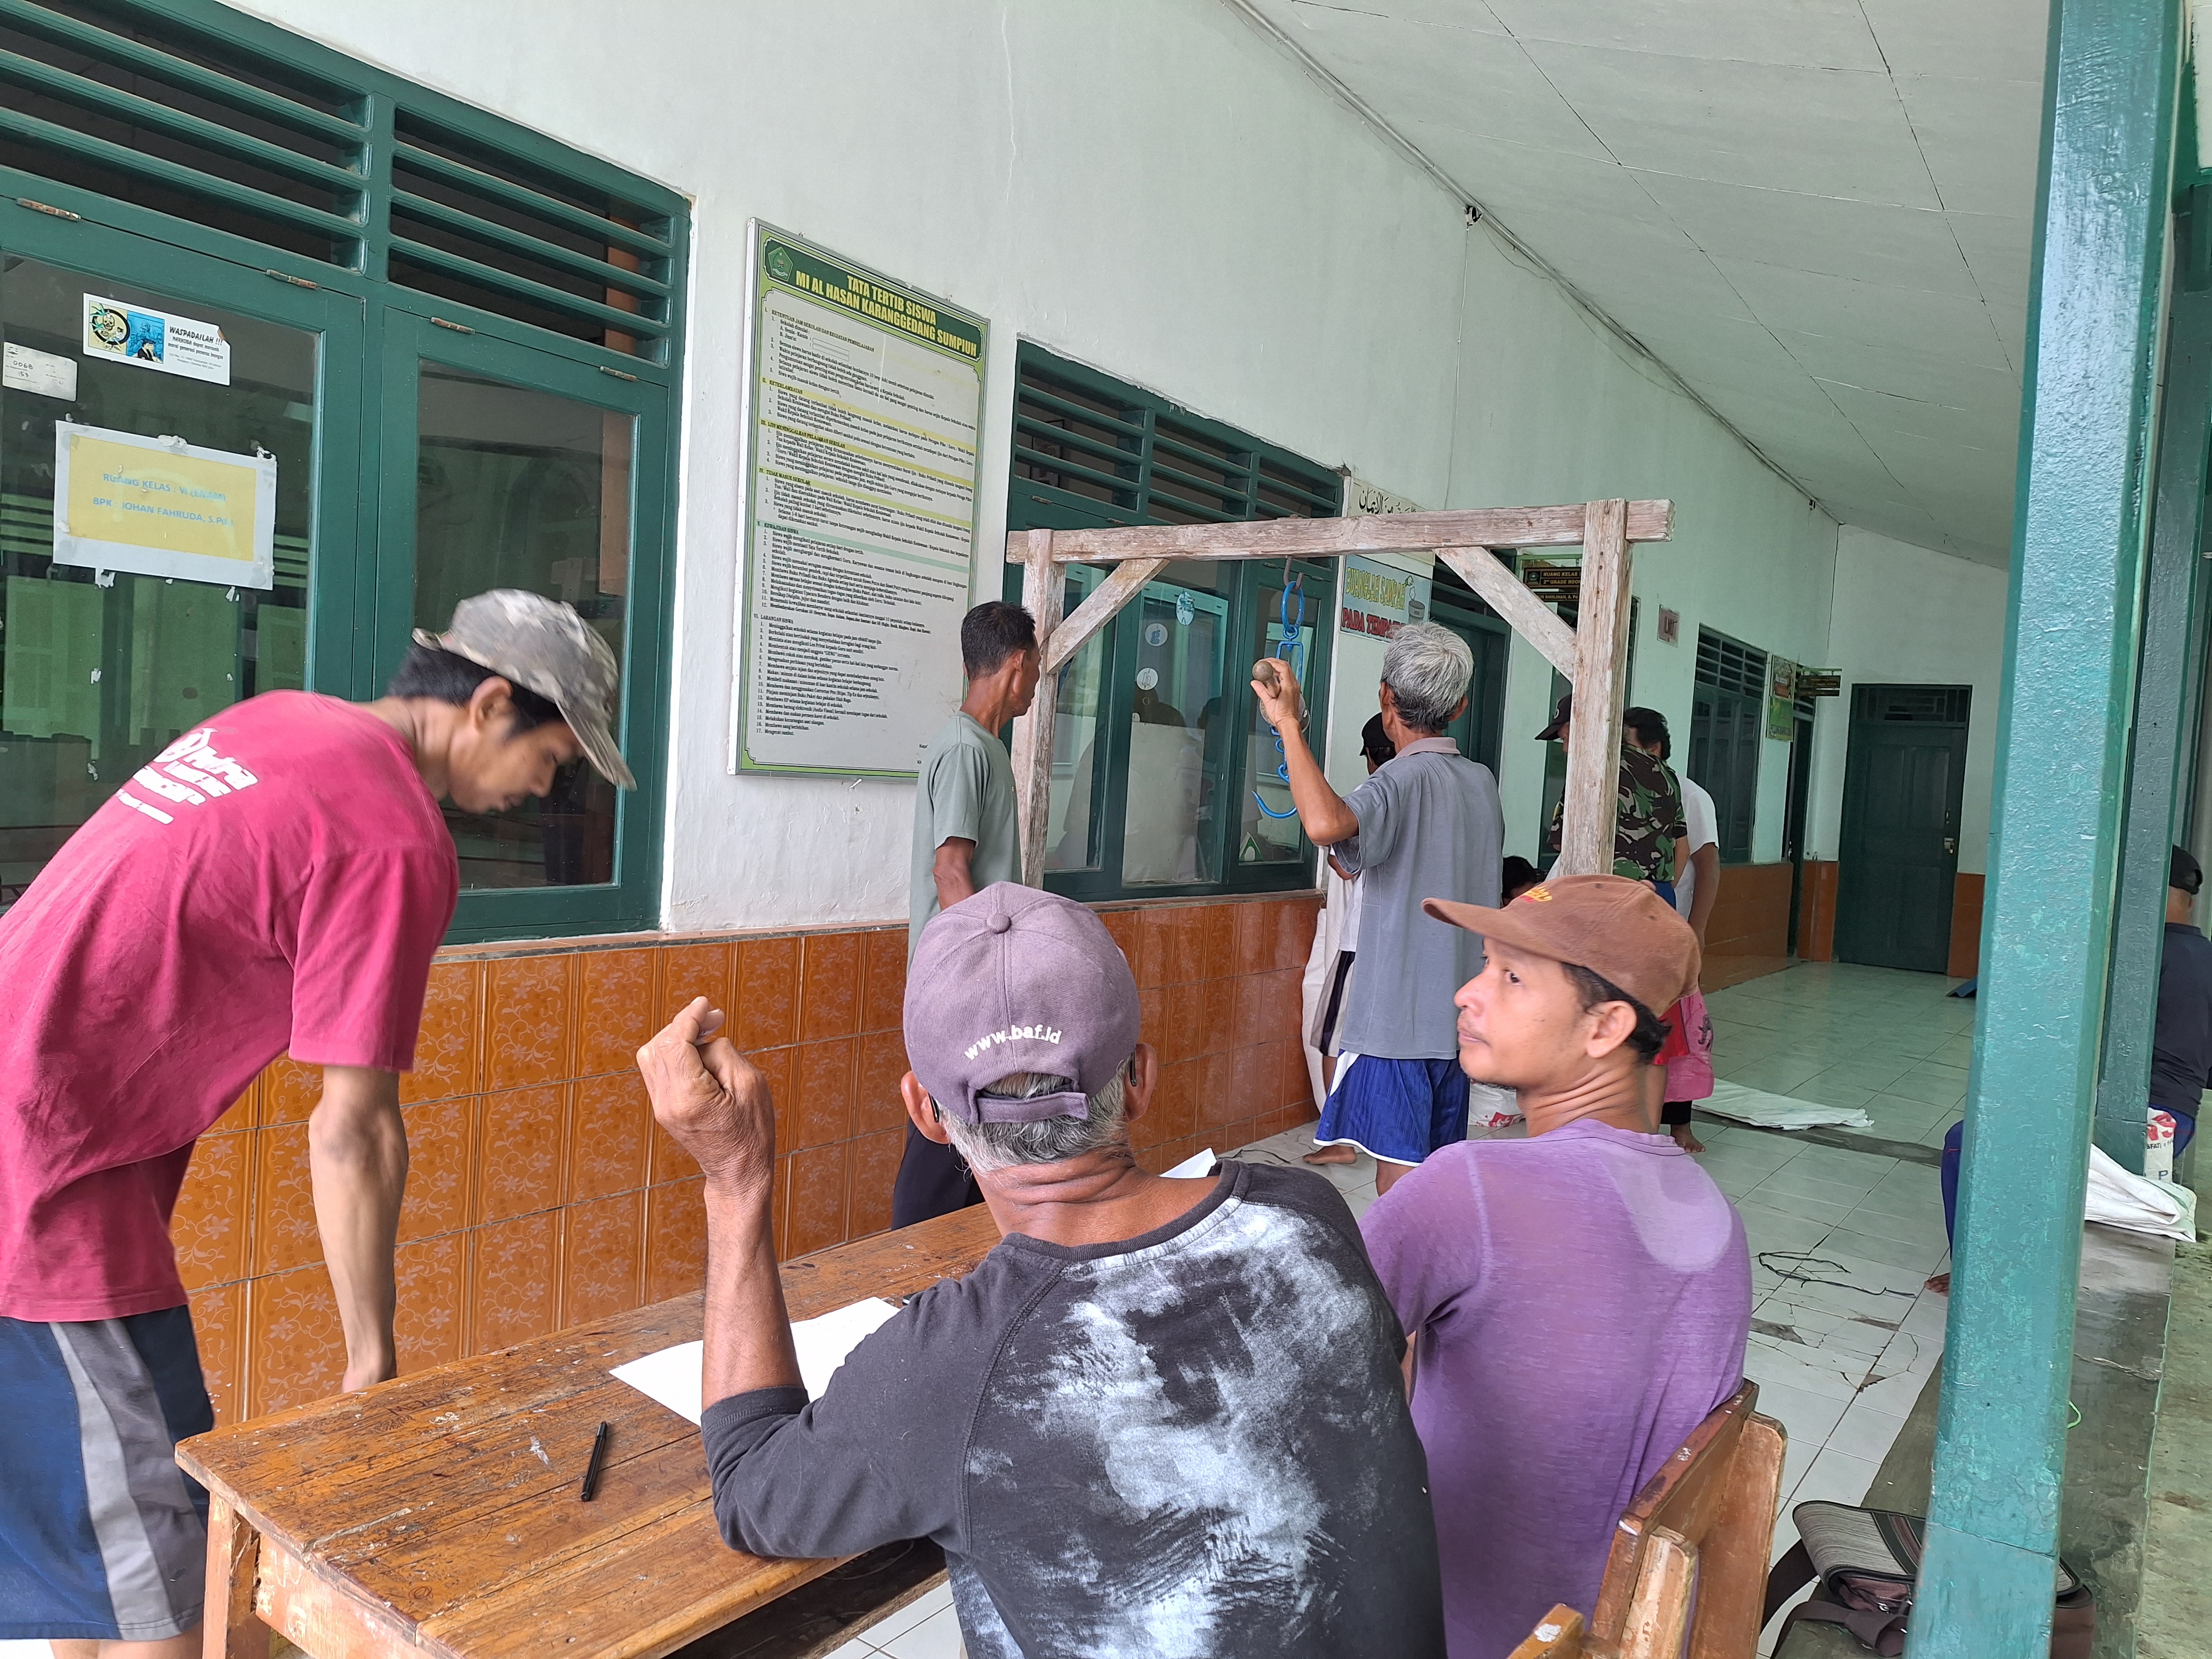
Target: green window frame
point(1092, 451)
point(187, 148)
point(1727, 732)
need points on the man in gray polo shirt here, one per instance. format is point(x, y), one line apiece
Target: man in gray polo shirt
point(1427, 825)
point(966, 836)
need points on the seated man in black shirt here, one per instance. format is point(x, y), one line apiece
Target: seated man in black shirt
point(2180, 1040)
point(1128, 1427)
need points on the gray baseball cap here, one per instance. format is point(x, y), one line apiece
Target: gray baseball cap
point(1013, 979)
point(543, 646)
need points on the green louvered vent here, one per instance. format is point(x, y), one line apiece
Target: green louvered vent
point(1144, 462)
point(1730, 665)
point(120, 98)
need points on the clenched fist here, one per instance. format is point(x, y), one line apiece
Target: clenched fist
point(711, 1099)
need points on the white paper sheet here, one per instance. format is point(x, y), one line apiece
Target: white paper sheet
point(671, 1375)
point(1198, 1164)
point(1779, 1111)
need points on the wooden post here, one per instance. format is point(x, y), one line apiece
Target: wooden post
point(1508, 596)
point(229, 1628)
point(1044, 589)
point(1600, 662)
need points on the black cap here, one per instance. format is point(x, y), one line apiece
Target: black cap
point(1375, 742)
point(2183, 871)
point(1558, 719)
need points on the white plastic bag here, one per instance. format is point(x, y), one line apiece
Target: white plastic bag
point(2138, 1203)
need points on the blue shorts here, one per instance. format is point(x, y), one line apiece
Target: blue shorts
point(1397, 1110)
point(102, 1537)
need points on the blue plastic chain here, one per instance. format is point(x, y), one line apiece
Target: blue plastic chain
point(1294, 653)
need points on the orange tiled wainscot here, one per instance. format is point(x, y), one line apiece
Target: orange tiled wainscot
point(540, 1193)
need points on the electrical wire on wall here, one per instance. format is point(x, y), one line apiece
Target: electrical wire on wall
point(1293, 642)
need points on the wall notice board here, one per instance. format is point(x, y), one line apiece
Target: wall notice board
point(863, 447)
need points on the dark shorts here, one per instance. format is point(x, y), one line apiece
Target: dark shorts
point(1398, 1111)
point(101, 1536)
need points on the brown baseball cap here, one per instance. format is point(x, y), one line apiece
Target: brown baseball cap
point(1620, 930)
point(543, 646)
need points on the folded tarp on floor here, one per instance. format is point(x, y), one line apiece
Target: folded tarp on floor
point(1756, 1106)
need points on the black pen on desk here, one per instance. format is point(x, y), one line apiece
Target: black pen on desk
point(592, 1469)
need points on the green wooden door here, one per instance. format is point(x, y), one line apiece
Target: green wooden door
point(1900, 833)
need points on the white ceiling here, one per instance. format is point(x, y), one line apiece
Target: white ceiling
point(1816, 212)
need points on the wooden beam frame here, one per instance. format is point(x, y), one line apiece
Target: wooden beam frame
point(1594, 655)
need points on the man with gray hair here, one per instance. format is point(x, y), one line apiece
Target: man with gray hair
point(1127, 1425)
point(1426, 824)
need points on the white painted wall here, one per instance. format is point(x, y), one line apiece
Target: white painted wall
point(1905, 615)
point(1150, 187)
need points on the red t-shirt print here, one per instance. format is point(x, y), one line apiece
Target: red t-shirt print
point(277, 879)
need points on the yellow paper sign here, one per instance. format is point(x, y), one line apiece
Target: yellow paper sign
point(162, 508)
point(144, 498)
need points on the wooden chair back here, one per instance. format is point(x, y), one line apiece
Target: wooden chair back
point(1689, 1558)
point(1558, 1635)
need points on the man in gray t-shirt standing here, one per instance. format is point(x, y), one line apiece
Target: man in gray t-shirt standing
point(966, 836)
point(1427, 825)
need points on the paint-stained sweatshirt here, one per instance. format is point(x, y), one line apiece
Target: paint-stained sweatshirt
point(1192, 1443)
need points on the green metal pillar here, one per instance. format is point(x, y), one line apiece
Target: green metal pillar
point(2163, 688)
point(2070, 648)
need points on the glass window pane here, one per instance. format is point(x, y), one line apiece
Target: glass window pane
point(1076, 834)
point(98, 676)
point(520, 488)
point(1176, 732)
point(1288, 621)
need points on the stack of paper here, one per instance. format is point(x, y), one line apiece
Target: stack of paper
point(673, 1375)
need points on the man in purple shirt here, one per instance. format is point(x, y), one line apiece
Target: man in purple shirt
point(1580, 1299)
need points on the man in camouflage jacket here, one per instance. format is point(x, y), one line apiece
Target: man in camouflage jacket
point(1648, 823)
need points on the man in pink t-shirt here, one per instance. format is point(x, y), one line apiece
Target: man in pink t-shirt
point(276, 880)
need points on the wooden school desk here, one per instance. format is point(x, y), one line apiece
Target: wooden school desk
point(437, 1513)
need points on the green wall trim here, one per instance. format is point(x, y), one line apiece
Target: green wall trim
point(2072, 634)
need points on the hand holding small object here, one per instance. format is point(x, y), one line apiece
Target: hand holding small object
point(1276, 686)
point(712, 1099)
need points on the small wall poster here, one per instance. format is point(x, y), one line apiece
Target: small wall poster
point(116, 332)
point(160, 507)
point(1781, 704)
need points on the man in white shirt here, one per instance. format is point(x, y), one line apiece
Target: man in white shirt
point(1336, 940)
point(1696, 885)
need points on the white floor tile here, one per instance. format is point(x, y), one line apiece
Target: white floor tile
point(1836, 1477)
point(1900, 1393)
point(1835, 1378)
point(1784, 1189)
point(1914, 1256)
point(1925, 1227)
point(1769, 1229)
point(1808, 1418)
point(855, 1649)
point(1865, 1432)
point(937, 1636)
point(927, 1606)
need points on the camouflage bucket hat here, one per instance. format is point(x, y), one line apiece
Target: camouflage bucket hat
point(543, 646)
